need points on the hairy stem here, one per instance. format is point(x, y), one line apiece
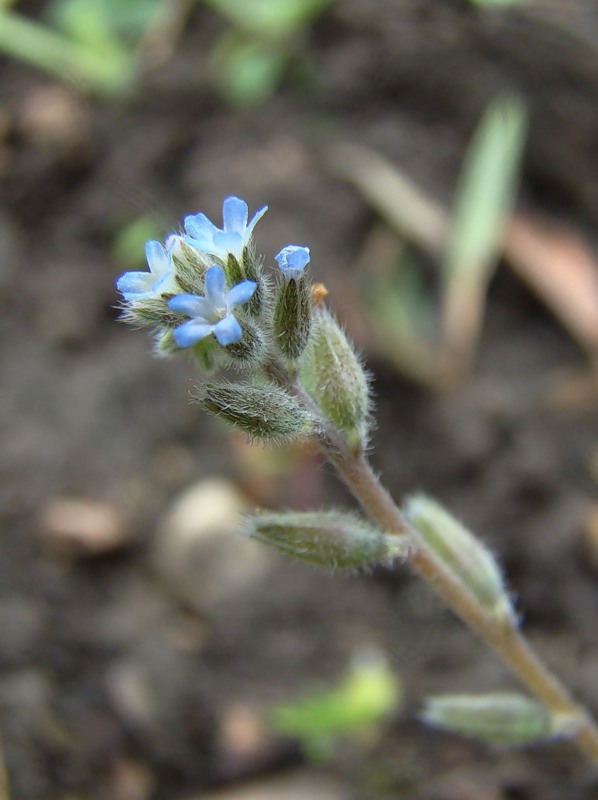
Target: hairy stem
point(505, 639)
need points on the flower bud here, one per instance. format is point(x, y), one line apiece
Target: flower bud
point(333, 539)
point(263, 411)
point(335, 379)
point(465, 555)
point(292, 317)
point(506, 718)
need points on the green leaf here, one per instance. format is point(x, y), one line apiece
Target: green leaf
point(248, 71)
point(105, 69)
point(270, 18)
point(367, 694)
point(485, 195)
point(92, 21)
point(485, 192)
point(129, 243)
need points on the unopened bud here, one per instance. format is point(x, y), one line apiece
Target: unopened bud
point(292, 317)
point(505, 718)
point(262, 411)
point(465, 555)
point(332, 539)
point(335, 379)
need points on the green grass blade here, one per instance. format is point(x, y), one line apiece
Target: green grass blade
point(485, 196)
point(106, 72)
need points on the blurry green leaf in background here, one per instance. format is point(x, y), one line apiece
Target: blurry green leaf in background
point(270, 18)
point(248, 70)
point(483, 203)
point(88, 43)
point(250, 59)
point(129, 243)
point(95, 21)
point(435, 346)
point(355, 708)
point(101, 45)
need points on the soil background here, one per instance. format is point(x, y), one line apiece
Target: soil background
point(144, 666)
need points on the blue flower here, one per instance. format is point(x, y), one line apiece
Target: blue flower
point(160, 278)
point(231, 238)
point(292, 260)
point(212, 313)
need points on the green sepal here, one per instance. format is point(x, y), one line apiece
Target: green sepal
point(262, 411)
point(150, 312)
point(207, 353)
point(234, 273)
point(463, 553)
point(505, 718)
point(335, 379)
point(291, 322)
point(164, 344)
point(252, 271)
point(251, 347)
point(332, 539)
point(189, 268)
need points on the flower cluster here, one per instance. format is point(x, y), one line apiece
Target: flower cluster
point(207, 292)
point(199, 284)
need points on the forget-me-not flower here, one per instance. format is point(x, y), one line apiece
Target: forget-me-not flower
point(211, 313)
point(160, 278)
point(292, 260)
point(231, 238)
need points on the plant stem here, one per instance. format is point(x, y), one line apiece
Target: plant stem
point(502, 637)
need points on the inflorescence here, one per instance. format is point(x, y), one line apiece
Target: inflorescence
point(207, 293)
point(298, 376)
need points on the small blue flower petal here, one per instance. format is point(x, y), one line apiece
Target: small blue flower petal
point(191, 332)
point(156, 257)
point(240, 293)
point(199, 227)
point(255, 219)
point(234, 215)
point(228, 242)
point(234, 235)
point(164, 284)
point(228, 331)
point(158, 281)
point(190, 304)
point(292, 260)
point(214, 285)
point(134, 285)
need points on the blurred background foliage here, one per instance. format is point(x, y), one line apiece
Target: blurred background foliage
point(101, 45)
